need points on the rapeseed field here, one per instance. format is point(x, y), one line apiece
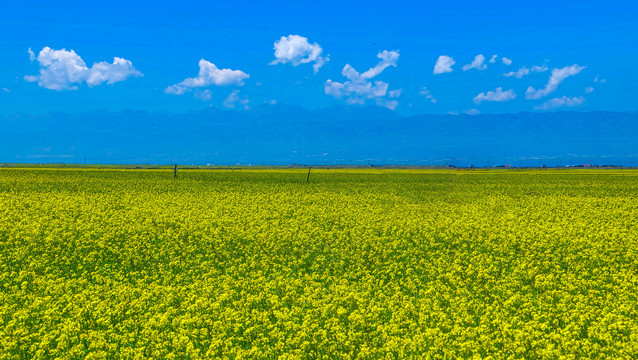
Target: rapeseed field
point(366, 264)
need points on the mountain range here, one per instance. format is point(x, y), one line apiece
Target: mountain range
point(277, 134)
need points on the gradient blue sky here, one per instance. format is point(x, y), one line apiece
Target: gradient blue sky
point(166, 41)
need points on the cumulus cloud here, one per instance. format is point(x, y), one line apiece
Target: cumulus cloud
point(65, 70)
point(209, 75)
point(525, 71)
point(493, 59)
point(496, 95)
point(233, 98)
point(104, 72)
point(295, 50)
point(564, 101)
point(359, 88)
point(428, 95)
point(478, 63)
point(589, 90)
point(443, 64)
point(558, 75)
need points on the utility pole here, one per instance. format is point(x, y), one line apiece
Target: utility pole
point(308, 177)
point(175, 172)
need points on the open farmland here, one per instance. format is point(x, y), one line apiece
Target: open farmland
point(113, 263)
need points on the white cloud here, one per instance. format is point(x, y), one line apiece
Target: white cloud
point(428, 95)
point(392, 104)
point(558, 75)
point(295, 49)
point(395, 93)
point(104, 72)
point(560, 102)
point(525, 71)
point(468, 112)
point(478, 63)
point(358, 88)
point(335, 89)
point(233, 98)
point(589, 90)
point(599, 79)
point(65, 70)
point(209, 75)
point(388, 58)
point(505, 60)
point(6, 90)
point(205, 95)
point(496, 95)
point(31, 55)
point(176, 90)
point(443, 64)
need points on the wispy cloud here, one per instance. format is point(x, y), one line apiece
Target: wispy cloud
point(467, 112)
point(296, 50)
point(359, 88)
point(428, 95)
point(208, 75)
point(65, 70)
point(504, 60)
point(478, 63)
point(525, 71)
point(205, 95)
point(497, 95)
point(395, 93)
point(443, 65)
point(233, 98)
point(558, 75)
point(564, 101)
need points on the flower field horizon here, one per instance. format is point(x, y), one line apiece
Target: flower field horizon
point(356, 263)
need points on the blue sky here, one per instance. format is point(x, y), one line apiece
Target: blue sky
point(585, 55)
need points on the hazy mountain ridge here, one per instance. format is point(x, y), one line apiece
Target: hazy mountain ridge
point(282, 134)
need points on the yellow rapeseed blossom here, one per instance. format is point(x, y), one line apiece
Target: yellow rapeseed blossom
point(356, 264)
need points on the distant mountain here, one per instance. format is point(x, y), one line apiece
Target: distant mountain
point(283, 134)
